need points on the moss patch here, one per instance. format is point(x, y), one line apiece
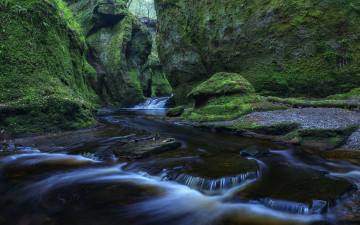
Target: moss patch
point(225, 108)
point(325, 138)
point(45, 80)
point(276, 129)
point(283, 48)
point(353, 94)
point(296, 103)
point(222, 84)
point(175, 112)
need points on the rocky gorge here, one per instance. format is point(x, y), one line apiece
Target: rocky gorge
point(211, 112)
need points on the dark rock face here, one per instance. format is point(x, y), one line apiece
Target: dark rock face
point(293, 48)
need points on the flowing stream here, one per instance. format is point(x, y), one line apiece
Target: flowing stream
point(61, 179)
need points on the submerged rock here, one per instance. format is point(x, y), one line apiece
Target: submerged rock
point(255, 151)
point(145, 150)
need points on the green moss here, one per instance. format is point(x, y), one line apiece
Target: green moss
point(222, 84)
point(175, 112)
point(228, 108)
point(41, 60)
point(115, 50)
point(296, 102)
point(331, 137)
point(309, 134)
point(159, 84)
point(353, 94)
point(283, 48)
point(276, 129)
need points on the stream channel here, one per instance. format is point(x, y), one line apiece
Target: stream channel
point(58, 179)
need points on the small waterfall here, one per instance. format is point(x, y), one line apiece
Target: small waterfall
point(317, 206)
point(153, 103)
point(215, 186)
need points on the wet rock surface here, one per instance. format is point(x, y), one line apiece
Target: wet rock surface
point(146, 150)
point(255, 151)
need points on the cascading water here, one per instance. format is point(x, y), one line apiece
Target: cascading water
point(153, 103)
point(215, 186)
point(65, 178)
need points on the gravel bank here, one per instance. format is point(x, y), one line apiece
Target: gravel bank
point(313, 118)
point(354, 141)
point(309, 118)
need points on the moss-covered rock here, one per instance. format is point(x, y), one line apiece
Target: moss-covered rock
point(121, 51)
point(159, 84)
point(175, 112)
point(225, 96)
point(276, 129)
point(220, 84)
point(45, 81)
point(284, 48)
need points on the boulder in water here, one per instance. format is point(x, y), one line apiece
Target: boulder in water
point(254, 151)
point(147, 149)
point(175, 112)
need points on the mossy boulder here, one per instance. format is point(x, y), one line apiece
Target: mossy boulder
point(175, 112)
point(220, 84)
point(283, 48)
point(45, 81)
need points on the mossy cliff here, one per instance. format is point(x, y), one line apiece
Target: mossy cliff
point(283, 48)
point(119, 48)
point(45, 81)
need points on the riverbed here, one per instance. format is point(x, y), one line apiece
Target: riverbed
point(59, 179)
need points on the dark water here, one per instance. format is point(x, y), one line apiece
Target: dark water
point(60, 179)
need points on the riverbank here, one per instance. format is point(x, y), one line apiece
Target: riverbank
point(325, 128)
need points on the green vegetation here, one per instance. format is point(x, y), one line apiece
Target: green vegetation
point(175, 112)
point(45, 79)
point(296, 103)
point(226, 108)
point(222, 84)
point(353, 94)
point(331, 138)
point(276, 129)
point(122, 48)
point(225, 96)
point(283, 48)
